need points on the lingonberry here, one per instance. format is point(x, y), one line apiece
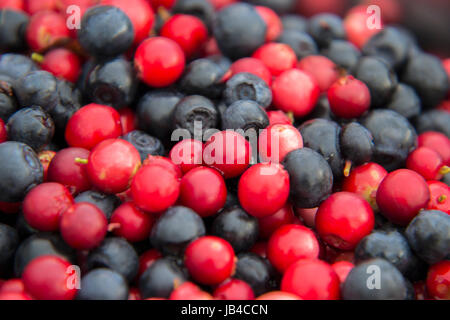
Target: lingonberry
point(436, 141)
point(14, 296)
point(295, 91)
point(278, 117)
point(229, 152)
point(439, 196)
point(3, 132)
point(322, 69)
point(166, 163)
point(234, 289)
point(291, 243)
point(438, 280)
point(273, 22)
point(349, 97)
point(129, 222)
point(187, 154)
point(311, 279)
point(428, 163)
point(342, 269)
point(62, 63)
point(13, 4)
point(277, 57)
point(33, 7)
point(401, 195)
point(307, 216)
point(45, 29)
point(355, 24)
point(44, 205)
point(210, 260)
point(147, 259)
point(155, 188)
point(260, 248)
point(83, 226)
point(69, 169)
point(276, 141)
point(46, 278)
point(128, 120)
point(343, 228)
point(112, 165)
point(159, 61)
point(278, 295)
point(189, 291)
point(13, 285)
point(264, 189)
point(269, 224)
point(45, 157)
point(167, 4)
point(84, 130)
point(203, 190)
point(250, 65)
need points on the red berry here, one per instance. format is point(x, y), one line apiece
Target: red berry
point(14, 296)
point(269, 224)
point(438, 280)
point(291, 243)
point(278, 295)
point(401, 195)
point(276, 141)
point(309, 8)
point(155, 188)
point(112, 165)
point(44, 205)
point(278, 57)
point(295, 91)
point(204, 191)
point(439, 196)
point(3, 132)
point(13, 285)
point(322, 69)
point(84, 130)
point(159, 61)
point(33, 6)
point(219, 4)
point(147, 259)
point(342, 269)
point(264, 189)
point(444, 105)
point(229, 152)
point(10, 207)
point(134, 294)
point(128, 120)
point(68, 168)
point(187, 154)
point(311, 279)
point(355, 24)
point(189, 291)
point(273, 22)
point(427, 162)
point(253, 66)
point(46, 278)
point(234, 289)
point(62, 63)
point(438, 142)
point(45, 29)
point(307, 216)
point(13, 4)
point(166, 163)
point(210, 260)
point(45, 157)
point(167, 4)
point(83, 226)
point(278, 117)
point(260, 248)
point(129, 222)
point(341, 227)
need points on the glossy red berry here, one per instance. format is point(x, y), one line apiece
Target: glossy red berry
point(322, 69)
point(128, 120)
point(278, 295)
point(45, 29)
point(46, 278)
point(278, 117)
point(234, 289)
point(46, 157)
point(210, 260)
point(33, 6)
point(167, 4)
point(189, 291)
point(277, 57)
point(188, 154)
point(14, 296)
point(44, 205)
point(311, 279)
point(147, 259)
point(83, 226)
point(341, 227)
point(253, 66)
point(438, 280)
point(291, 243)
point(13, 285)
point(356, 27)
point(438, 142)
point(273, 22)
point(84, 130)
point(342, 269)
point(264, 189)
point(439, 196)
point(159, 61)
point(401, 195)
point(62, 63)
point(276, 141)
point(3, 132)
point(155, 188)
point(129, 222)
point(166, 163)
point(13, 4)
point(269, 224)
point(428, 163)
point(295, 91)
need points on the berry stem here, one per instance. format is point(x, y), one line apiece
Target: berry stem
point(81, 161)
point(444, 170)
point(36, 57)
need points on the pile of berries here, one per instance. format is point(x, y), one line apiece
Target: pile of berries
point(220, 149)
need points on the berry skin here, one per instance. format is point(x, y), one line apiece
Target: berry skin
point(343, 53)
point(203, 190)
point(268, 225)
point(37, 88)
point(210, 260)
point(85, 131)
point(155, 188)
point(12, 30)
point(438, 280)
point(188, 154)
point(349, 98)
point(44, 205)
point(128, 120)
point(147, 259)
point(323, 70)
point(342, 269)
point(253, 66)
point(45, 29)
point(145, 144)
point(401, 195)
point(438, 142)
point(326, 27)
point(103, 284)
point(46, 278)
point(273, 22)
point(159, 61)
point(301, 42)
point(245, 115)
point(311, 279)
point(83, 226)
point(355, 24)
point(234, 289)
point(107, 203)
point(166, 163)
point(247, 86)
point(278, 117)
point(343, 228)
point(189, 291)
point(278, 57)
point(62, 63)
point(278, 295)
point(295, 91)
point(428, 163)
point(439, 196)
point(291, 243)
point(264, 189)
point(129, 222)
point(276, 141)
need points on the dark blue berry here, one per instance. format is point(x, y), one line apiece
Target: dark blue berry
point(13, 25)
point(405, 101)
point(279, 6)
point(254, 270)
point(294, 22)
point(9, 241)
point(245, 115)
point(8, 103)
point(103, 284)
point(69, 101)
point(145, 144)
point(433, 120)
point(343, 53)
point(202, 9)
point(107, 203)
point(301, 42)
point(247, 86)
point(356, 143)
point(326, 27)
point(15, 66)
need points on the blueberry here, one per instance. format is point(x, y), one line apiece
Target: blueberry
point(245, 115)
point(113, 83)
point(154, 112)
point(8, 103)
point(279, 6)
point(103, 284)
point(405, 101)
point(105, 31)
point(9, 241)
point(322, 110)
point(20, 171)
point(254, 270)
point(301, 42)
point(294, 22)
point(237, 227)
point(69, 101)
point(326, 27)
point(107, 203)
point(379, 78)
point(356, 143)
point(176, 228)
point(425, 73)
point(243, 20)
point(311, 178)
point(433, 120)
point(145, 144)
point(375, 279)
point(23, 227)
point(13, 25)
point(32, 126)
point(203, 77)
point(15, 66)
point(202, 9)
point(160, 279)
point(247, 86)
point(343, 53)
point(116, 254)
point(428, 235)
point(221, 61)
point(394, 137)
point(41, 244)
